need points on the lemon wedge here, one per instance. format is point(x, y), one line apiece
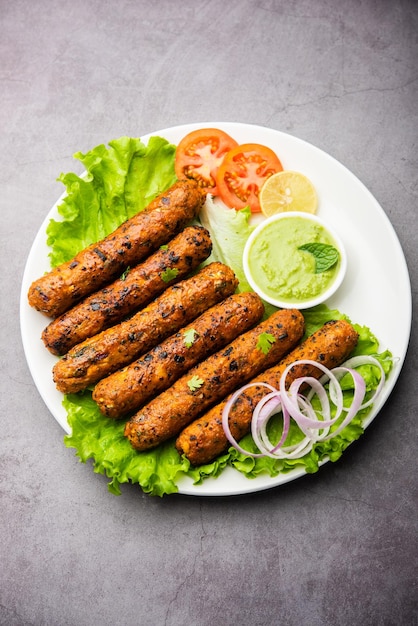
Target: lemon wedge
point(287, 191)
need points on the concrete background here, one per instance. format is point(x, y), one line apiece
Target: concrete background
point(336, 548)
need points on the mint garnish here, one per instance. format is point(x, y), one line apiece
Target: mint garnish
point(326, 256)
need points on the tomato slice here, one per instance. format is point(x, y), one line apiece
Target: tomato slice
point(242, 174)
point(199, 154)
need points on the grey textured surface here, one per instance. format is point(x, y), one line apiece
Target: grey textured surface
point(335, 548)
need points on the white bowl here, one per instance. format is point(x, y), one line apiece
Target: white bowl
point(296, 302)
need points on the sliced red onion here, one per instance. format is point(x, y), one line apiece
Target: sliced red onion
point(225, 416)
point(292, 404)
point(265, 409)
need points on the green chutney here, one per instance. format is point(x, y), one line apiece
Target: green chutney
point(280, 269)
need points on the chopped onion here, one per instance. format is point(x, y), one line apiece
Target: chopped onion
point(292, 404)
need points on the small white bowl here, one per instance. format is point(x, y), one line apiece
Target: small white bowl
point(297, 302)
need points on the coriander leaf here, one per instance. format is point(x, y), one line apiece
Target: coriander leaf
point(125, 273)
point(164, 247)
point(265, 341)
point(189, 337)
point(326, 256)
point(169, 274)
point(195, 383)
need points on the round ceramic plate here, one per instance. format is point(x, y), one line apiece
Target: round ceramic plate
point(376, 291)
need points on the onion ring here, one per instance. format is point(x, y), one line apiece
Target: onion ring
point(292, 404)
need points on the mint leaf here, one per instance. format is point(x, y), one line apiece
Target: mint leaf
point(326, 256)
point(265, 341)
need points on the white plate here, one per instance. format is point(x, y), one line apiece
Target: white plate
point(376, 291)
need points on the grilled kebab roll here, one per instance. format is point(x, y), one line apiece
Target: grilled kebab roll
point(127, 294)
point(204, 439)
point(212, 379)
point(99, 356)
point(131, 387)
point(102, 262)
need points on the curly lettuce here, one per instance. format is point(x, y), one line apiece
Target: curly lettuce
point(158, 471)
point(120, 180)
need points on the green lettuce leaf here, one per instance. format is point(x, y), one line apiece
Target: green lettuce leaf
point(120, 180)
point(317, 316)
point(333, 448)
point(229, 230)
point(158, 471)
point(96, 437)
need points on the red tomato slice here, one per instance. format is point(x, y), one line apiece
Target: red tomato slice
point(199, 154)
point(242, 174)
